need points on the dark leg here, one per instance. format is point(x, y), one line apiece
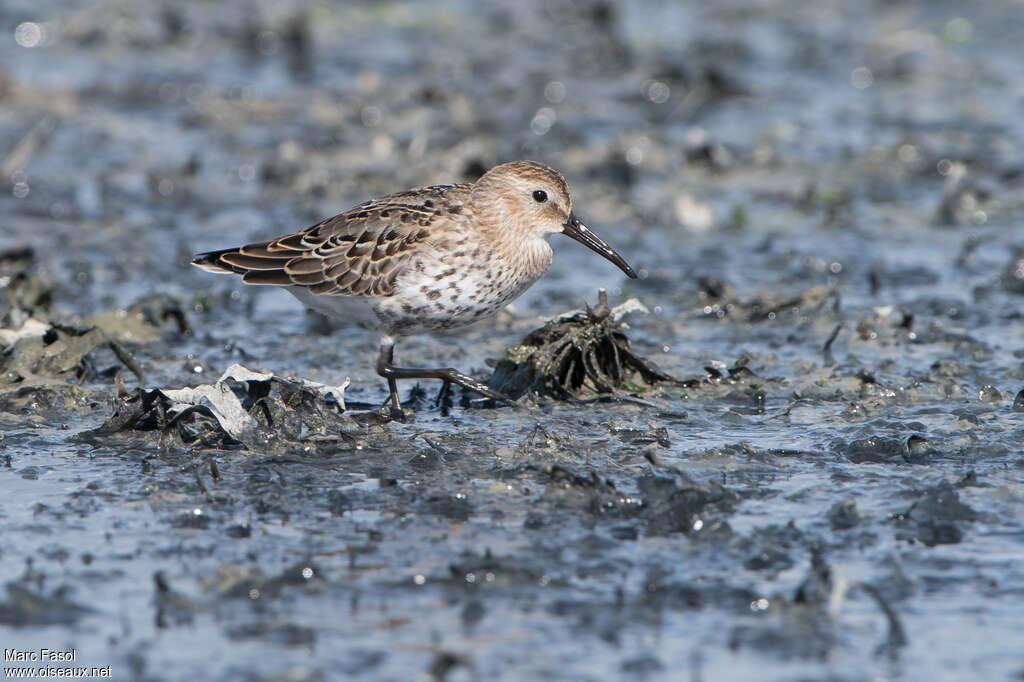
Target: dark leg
point(443, 398)
point(384, 359)
point(392, 374)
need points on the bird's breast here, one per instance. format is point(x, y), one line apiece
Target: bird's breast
point(440, 290)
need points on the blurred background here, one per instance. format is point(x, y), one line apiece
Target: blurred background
point(826, 192)
point(139, 132)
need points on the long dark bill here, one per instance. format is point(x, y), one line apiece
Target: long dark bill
point(581, 233)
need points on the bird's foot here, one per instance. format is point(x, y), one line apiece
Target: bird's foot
point(392, 411)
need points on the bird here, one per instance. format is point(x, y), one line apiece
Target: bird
point(426, 259)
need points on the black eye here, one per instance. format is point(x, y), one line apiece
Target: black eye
point(540, 196)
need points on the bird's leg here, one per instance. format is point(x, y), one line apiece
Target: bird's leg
point(384, 359)
point(392, 374)
point(444, 398)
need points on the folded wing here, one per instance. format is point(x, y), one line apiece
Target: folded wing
point(360, 252)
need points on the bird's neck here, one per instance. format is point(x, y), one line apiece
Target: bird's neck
point(526, 252)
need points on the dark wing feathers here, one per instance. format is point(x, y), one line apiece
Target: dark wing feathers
point(266, 277)
point(247, 262)
point(304, 266)
point(357, 253)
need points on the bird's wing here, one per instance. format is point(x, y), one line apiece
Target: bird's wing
point(359, 252)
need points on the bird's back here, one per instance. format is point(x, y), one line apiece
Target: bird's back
point(360, 252)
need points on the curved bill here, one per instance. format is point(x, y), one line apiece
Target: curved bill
point(581, 233)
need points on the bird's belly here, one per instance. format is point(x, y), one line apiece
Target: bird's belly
point(444, 300)
point(355, 310)
point(435, 292)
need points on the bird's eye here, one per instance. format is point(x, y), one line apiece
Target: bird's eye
point(540, 196)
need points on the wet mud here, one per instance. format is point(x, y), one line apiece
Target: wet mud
point(798, 456)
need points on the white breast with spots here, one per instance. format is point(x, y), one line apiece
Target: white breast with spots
point(443, 290)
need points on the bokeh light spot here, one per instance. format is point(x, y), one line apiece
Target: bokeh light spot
point(28, 34)
point(862, 78)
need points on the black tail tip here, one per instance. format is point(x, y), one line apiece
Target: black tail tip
point(210, 261)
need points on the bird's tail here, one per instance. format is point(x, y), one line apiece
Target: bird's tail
point(211, 262)
point(258, 263)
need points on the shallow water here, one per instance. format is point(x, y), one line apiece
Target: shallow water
point(873, 150)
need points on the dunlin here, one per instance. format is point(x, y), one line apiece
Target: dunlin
point(425, 259)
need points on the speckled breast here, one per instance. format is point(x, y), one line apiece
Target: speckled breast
point(448, 288)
